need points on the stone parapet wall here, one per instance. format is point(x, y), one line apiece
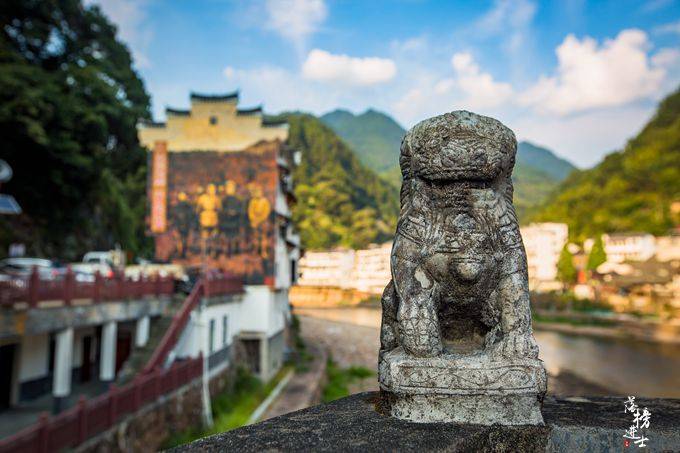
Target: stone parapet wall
point(358, 423)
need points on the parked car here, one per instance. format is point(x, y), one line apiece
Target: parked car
point(22, 267)
point(114, 258)
point(85, 272)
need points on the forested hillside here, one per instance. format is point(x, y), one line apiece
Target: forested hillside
point(544, 160)
point(374, 137)
point(630, 190)
point(69, 103)
point(340, 201)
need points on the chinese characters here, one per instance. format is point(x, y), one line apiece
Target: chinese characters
point(640, 422)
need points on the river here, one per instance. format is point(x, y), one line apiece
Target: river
point(628, 367)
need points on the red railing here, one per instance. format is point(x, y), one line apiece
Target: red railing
point(210, 286)
point(91, 417)
point(33, 290)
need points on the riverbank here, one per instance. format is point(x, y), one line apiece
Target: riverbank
point(357, 345)
point(575, 323)
point(608, 327)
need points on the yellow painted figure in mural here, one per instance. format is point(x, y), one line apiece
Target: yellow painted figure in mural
point(258, 211)
point(208, 204)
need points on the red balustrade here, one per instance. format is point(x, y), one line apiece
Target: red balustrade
point(91, 417)
point(34, 290)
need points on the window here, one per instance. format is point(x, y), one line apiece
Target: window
point(213, 120)
point(211, 337)
point(225, 324)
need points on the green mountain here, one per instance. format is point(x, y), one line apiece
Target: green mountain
point(340, 201)
point(374, 137)
point(532, 187)
point(542, 159)
point(537, 174)
point(630, 190)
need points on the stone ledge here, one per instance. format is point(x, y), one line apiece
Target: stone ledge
point(354, 424)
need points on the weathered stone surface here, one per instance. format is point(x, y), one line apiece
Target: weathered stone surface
point(354, 424)
point(467, 389)
point(456, 338)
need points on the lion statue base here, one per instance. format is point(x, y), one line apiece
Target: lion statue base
point(463, 389)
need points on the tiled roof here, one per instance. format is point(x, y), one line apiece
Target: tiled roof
point(177, 112)
point(253, 111)
point(214, 97)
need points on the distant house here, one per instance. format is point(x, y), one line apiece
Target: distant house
point(543, 243)
point(621, 247)
point(650, 286)
point(668, 247)
point(327, 268)
point(371, 271)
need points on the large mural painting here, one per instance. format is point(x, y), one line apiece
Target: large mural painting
point(220, 208)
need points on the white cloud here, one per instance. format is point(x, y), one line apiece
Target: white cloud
point(666, 57)
point(343, 69)
point(582, 138)
point(594, 76)
point(295, 20)
point(281, 90)
point(469, 87)
point(510, 18)
point(130, 18)
point(513, 13)
point(671, 27)
point(479, 88)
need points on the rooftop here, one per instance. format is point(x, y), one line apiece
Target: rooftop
point(214, 97)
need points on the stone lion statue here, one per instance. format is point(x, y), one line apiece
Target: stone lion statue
point(459, 271)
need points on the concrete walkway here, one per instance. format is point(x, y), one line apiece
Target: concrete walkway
point(304, 389)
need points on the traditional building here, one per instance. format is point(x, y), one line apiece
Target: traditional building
point(220, 190)
point(544, 243)
point(622, 247)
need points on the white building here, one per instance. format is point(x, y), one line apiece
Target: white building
point(371, 272)
point(364, 270)
point(622, 247)
point(257, 320)
point(332, 268)
point(668, 248)
point(544, 243)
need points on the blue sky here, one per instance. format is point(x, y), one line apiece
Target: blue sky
point(580, 77)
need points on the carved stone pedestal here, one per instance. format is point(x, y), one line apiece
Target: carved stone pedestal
point(464, 388)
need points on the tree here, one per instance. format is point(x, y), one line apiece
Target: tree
point(630, 190)
point(597, 254)
point(340, 201)
point(69, 104)
point(566, 271)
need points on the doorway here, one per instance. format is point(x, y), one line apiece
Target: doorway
point(7, 353)
point(252, 351)
point(86, 362)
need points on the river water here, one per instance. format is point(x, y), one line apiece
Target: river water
point(629, 367)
